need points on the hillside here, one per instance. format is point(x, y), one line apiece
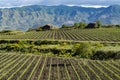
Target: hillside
point(27, 17)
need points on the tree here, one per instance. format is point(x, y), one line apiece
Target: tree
point(83, 50)
point(76, 25)
point(82, 25)
point(64, 26)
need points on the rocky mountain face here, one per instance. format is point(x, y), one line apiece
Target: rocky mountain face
point(27, 17)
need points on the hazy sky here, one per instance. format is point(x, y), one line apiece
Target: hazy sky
point(9, 3)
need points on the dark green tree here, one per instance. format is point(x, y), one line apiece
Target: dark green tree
point(82, 25)
point(64, 26)
point(76, 25)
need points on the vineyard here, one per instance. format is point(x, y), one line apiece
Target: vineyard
point(35, 67)
point(112, 34)
point(27, 66)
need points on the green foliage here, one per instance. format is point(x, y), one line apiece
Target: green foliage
point(97, 45)
point(111, 26)
point(6, 31)
point(91, 50)
point(39, 29)
point(12, 32)
point(41, 42)
point(76, 25)
point(104, 55)
point(83, 50)
point(64, 44)
point(65, 55)
point(82, 25)
point(65, 26)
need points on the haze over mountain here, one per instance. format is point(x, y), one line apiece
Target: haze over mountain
point(37, 15)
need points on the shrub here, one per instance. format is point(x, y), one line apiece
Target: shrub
point(103, 55)
point(83, 50)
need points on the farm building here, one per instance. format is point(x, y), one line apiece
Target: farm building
point(43, 28)
point(47, 27)
point(91, 25)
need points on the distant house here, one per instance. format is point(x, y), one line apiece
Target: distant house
point(47, 27)
point(91, 25)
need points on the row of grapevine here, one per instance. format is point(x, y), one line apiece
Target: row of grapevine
point(74, 34)
point(35, 67)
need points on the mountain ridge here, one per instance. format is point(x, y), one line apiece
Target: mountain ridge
point(32, 16)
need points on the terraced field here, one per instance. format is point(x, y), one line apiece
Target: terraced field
point(110, 34)
point(36, 67)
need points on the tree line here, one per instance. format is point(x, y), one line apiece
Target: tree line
point(97, 24)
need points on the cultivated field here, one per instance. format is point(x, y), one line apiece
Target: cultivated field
point(34, 67)
point(110, 34)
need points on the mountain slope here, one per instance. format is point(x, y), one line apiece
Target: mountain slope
point(36, 15)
